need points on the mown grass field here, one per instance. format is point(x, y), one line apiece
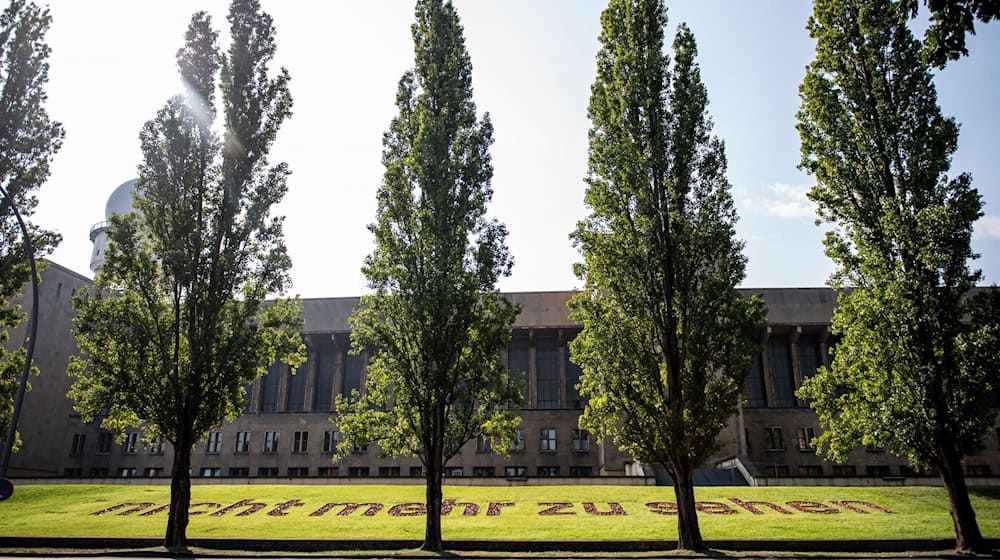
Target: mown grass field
point(68, 510)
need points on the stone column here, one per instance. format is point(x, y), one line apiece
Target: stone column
point(532, 371)
point(561, 367)
point(824, 348)
point(340, 344)
point(312, 362)
point(765, 364)
point(793, 340)
point(283, 373)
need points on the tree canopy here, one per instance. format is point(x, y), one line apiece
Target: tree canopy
point(177, 323)
point(29, 140)
point(951, 22)
point(435, 317)
point(909, 373)
point(666, 340)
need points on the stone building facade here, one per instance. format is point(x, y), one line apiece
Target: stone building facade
point(286, 430)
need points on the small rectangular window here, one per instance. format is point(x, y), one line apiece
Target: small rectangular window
point(845, 470)
point(79, 441)
point(214, 442)
point(774, 439)
point(99, 472)
point(454, 471)
point(242, 443)
point(516, 471)
point(104, 440)
point(211, 471)
point(581, 471)
point(271, 442)
point(126, 472)
point(156, 446)
point(330, 440)
point(357, 471)
point(806, 436)
point(810, 470)
point(298, 471)
point(484, 471)
point(239, 471)
point(878, 470)
point(388, 471)
point(131, 443)
point(72, 472)
point(776, 470)
point(581, 440)
point(547, 439)
point(267, 471)
point(518, 443)
point(328, 471)
point(548, 471)
point(416, 471)
point(483, 445)
point(977, 470)
point(359, 449)
point(300, 443)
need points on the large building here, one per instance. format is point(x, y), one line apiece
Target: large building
point(285, 430)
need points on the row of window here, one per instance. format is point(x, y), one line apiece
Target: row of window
point(515, 471)
point(774, 440)
point(130, 445)
point(549, 352)
point(781, 373)
point(869, 470)
point(547, 441)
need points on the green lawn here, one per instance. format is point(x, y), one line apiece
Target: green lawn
point(68, 510)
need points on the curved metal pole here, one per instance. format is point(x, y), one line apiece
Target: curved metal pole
point(8, 444)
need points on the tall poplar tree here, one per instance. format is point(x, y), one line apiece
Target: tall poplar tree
point(435, 316)
point(666, 341)
point(909, 373)
point(176, 325)
point(29, 140)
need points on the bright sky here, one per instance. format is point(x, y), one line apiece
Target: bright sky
point(112, 67)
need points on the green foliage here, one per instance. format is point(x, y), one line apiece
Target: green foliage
point(876, 141)
point(435, 316)
point(951, 20)
point(665, 346)
point(910, 372)
point(28, 142)
point(176, 325)
point(666, 341)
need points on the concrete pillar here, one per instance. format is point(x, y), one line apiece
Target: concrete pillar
point(312, 361)
point(340, 344)
point(532, 371)
point(561, 367)
point(765, 364)
point(283, 373)
point(824, 348)
point(741, 426)
point(255, 394)
point(793, 340)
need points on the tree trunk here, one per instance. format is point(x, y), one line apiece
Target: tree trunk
point(968, 538)
point(688, 531)
point(180, 495)
point(435, 469)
